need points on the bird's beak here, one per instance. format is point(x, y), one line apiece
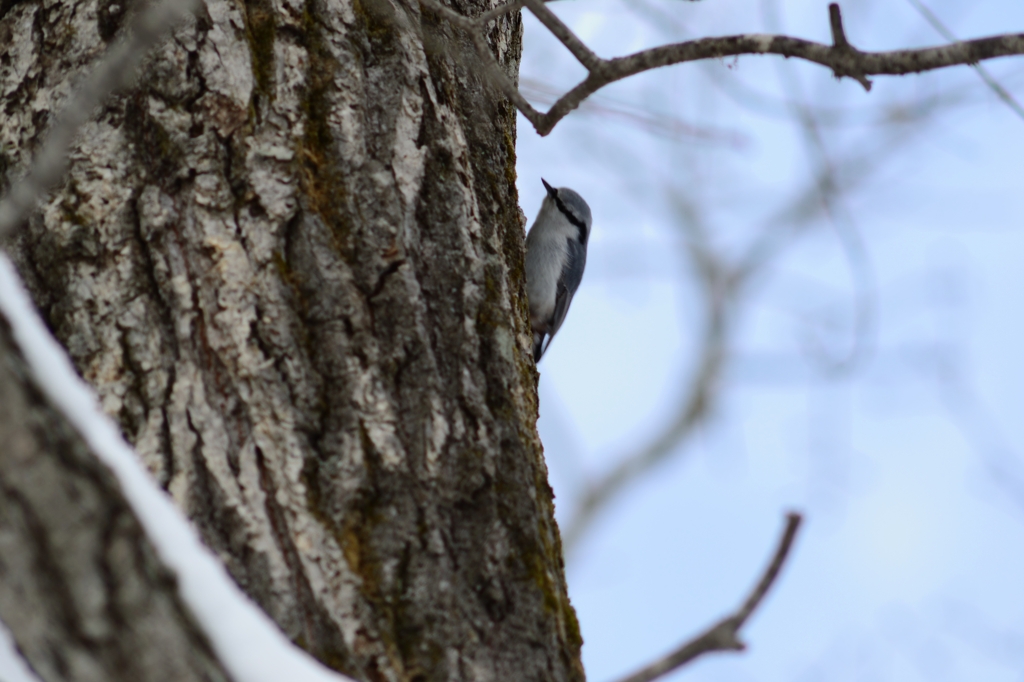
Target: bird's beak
point(552, 192)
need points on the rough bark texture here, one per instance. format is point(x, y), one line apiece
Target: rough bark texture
point(80, 585)
point(290, 262)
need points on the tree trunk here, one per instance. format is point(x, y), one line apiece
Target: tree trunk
point(290, 262)
point(80, 583)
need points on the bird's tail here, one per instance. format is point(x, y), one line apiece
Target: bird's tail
point(539, 346)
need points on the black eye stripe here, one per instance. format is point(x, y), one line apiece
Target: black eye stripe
point(571, 218)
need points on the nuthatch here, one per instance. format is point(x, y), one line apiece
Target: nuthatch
point(556, 253)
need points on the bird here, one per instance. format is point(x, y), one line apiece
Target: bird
point(556, 254)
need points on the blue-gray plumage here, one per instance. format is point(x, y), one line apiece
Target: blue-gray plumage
point(556, 253)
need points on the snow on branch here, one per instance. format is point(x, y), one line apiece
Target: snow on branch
point(247, 642)
point(724, 635)
point(844, 60)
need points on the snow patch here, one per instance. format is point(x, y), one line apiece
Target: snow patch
point(762, 41)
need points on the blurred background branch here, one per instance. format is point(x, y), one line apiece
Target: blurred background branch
point(821, 316)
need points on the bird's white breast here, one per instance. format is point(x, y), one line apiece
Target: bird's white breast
point(546, 253)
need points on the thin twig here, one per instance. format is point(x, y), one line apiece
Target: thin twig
point(842, 45)
point(841, 57)
point(835, 20)
point(724, 635)
point(115, 71)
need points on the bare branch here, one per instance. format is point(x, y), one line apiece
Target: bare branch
point(841, 57)
point(724, 635)
point(763, 103)
point(991, 82)
point(115, 71)
point(848, 62)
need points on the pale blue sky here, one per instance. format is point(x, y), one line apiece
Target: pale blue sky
point(911, 564)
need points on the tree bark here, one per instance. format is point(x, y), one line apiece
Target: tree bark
point(80, 584)
point(290, 262)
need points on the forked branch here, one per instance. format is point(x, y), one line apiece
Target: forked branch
point(844, 60)
point(724, 635)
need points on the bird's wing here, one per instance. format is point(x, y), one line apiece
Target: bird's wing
point(572, 275)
